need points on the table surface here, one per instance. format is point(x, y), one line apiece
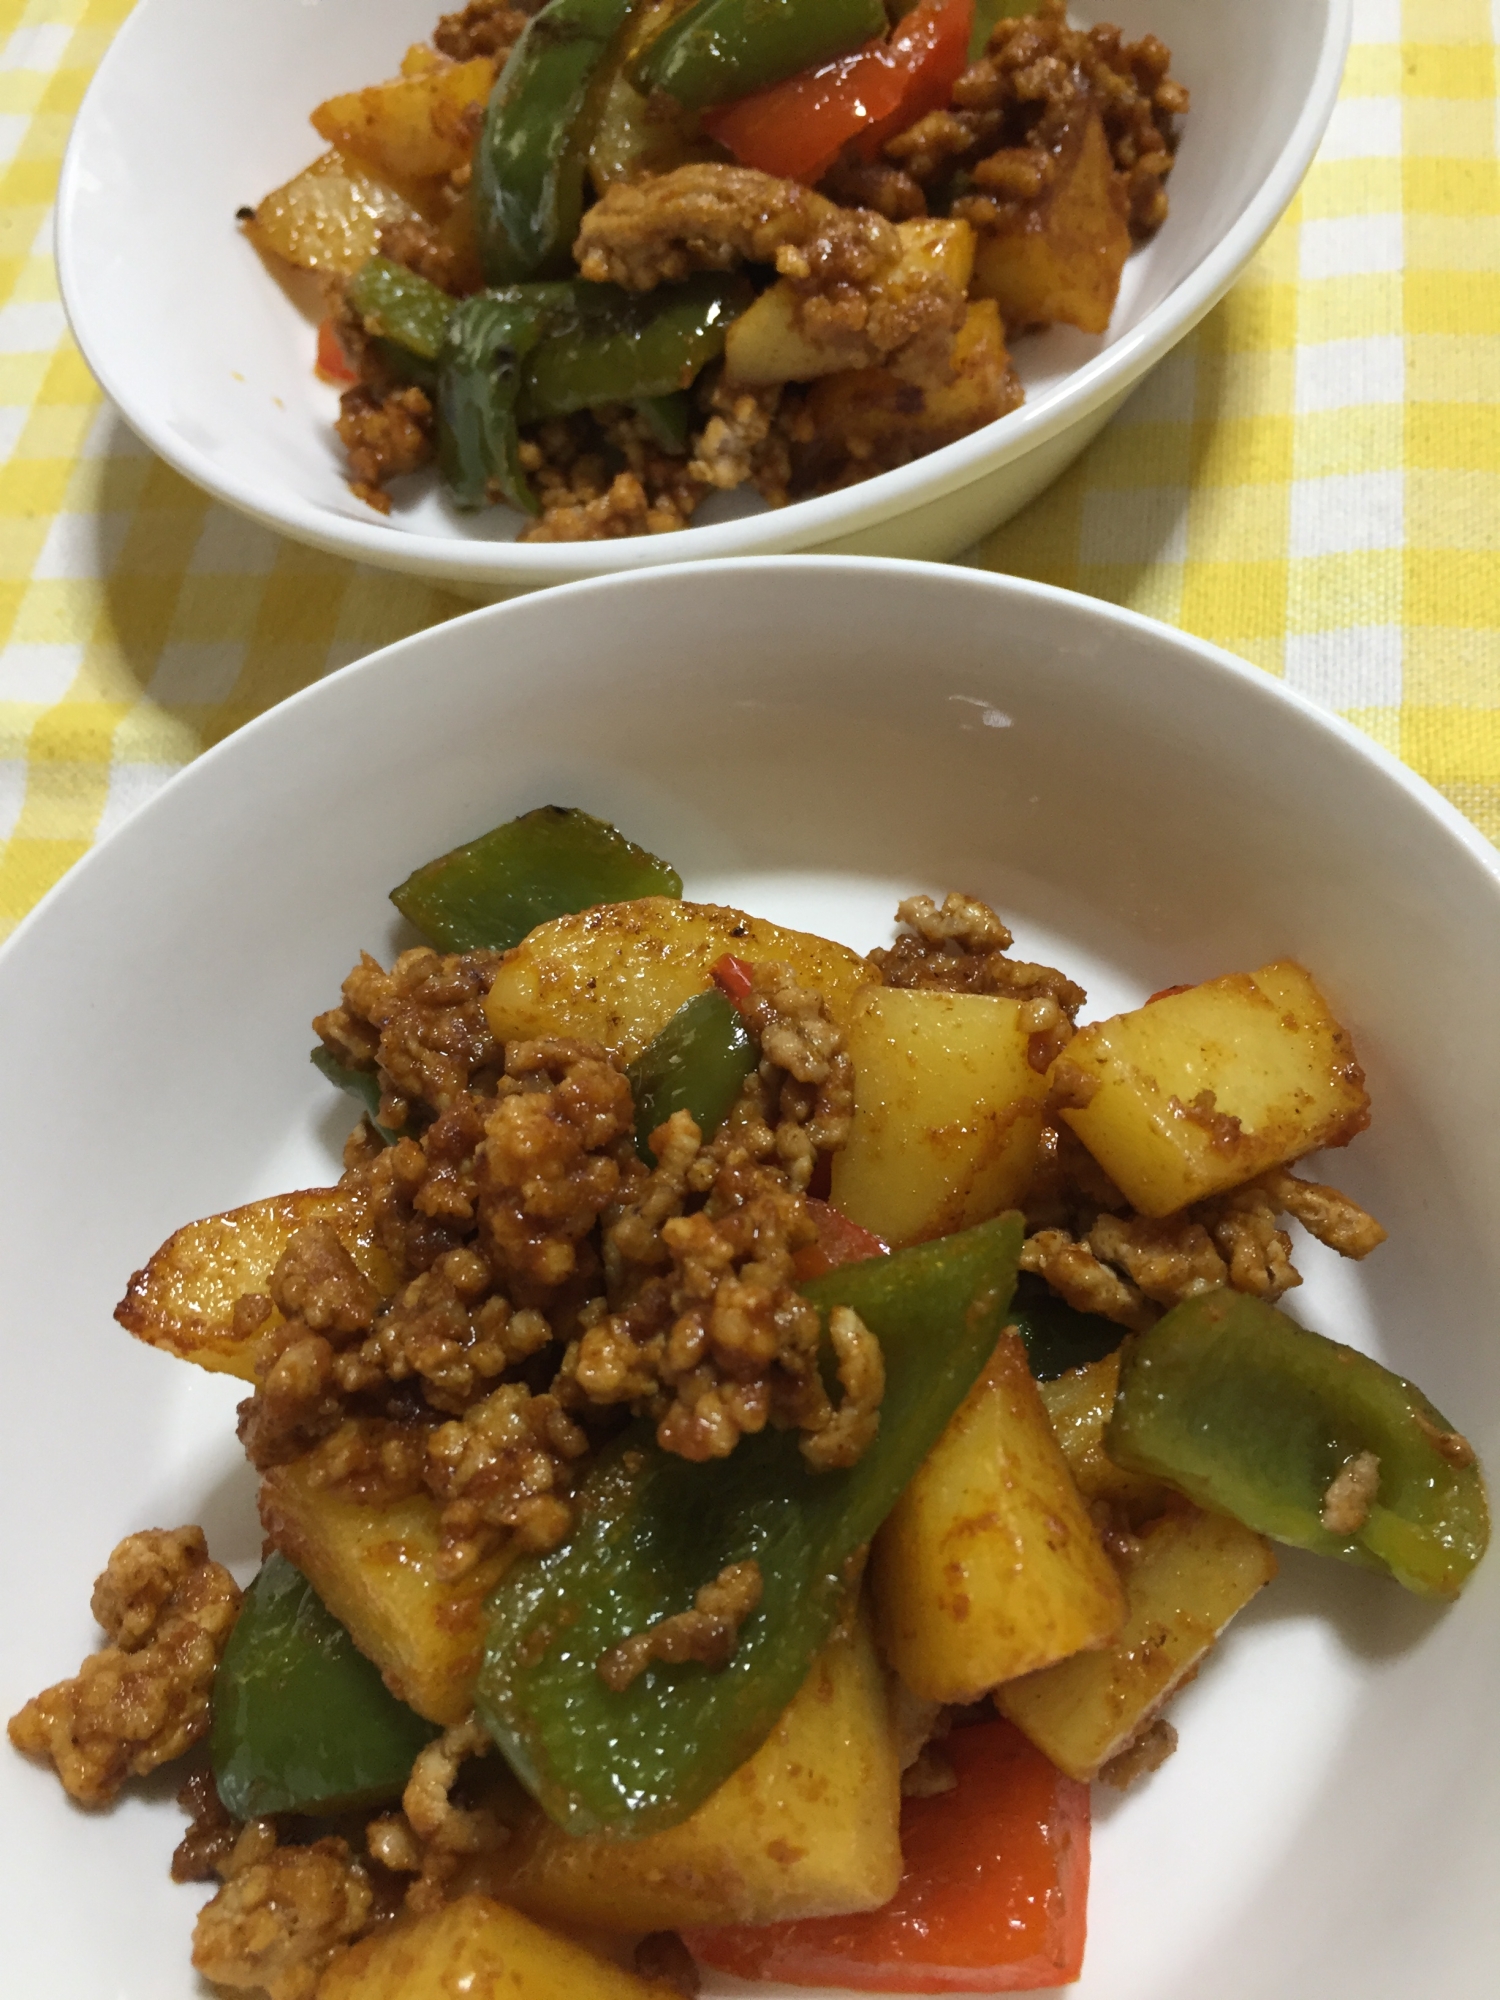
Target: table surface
point(1312, 479)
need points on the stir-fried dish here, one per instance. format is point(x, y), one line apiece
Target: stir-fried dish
point(754, 1431)
point(604, 258)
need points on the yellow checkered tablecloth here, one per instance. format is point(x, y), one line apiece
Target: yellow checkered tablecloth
point(1313, 478)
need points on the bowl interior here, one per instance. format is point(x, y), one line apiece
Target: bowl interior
point(812, 739)
point(210, 357)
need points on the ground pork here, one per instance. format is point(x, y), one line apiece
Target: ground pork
point(707, 1634)
point(484, 28)
point(420, 1027)
point(961, 947)
point(1351, 1494)
point(144, 1698)
point(602, 474)
point(385, 436)
point(432, 1835)
point(745, 439)
point(283, 1914)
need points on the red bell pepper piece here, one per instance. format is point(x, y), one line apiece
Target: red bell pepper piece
point(333, 363)
point(840, 1241)
point(733, 977)
point(797, 129)
point(992, 1900)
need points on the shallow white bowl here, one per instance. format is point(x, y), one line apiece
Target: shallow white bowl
point(201, 106)
point(810, 738)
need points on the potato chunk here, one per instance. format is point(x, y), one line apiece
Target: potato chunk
point(1079, 1405)
point(1060, 256)
point(808, 1827)
point(1185, 1578)
point(183, 1301)
point(947, 1112)
point(329, 217)
point(376, 1570)
point(619, 973)
point(1200, 1091)
point(767, 344)
point(482, 1950)
point(417, 126)
point(988, 1566)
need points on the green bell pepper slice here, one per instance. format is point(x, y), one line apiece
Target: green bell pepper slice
point(653, 1528)
point(363, 1085)
point(613, 346)
point(487, 894)
point(532, 155)
point(484, 344)
point(302, 1721)
point(987, 15)
point(723, 49)
point(400, 306)
point(1056, 1336)
point(698, 1063)
point(1250, 1414)
point(669, 420)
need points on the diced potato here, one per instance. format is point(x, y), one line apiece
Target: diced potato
point(1207, 1088)
point(882, 417)
point(947, 1112)
point(414, 128)
point(618, 974)
point(808, 1827)
point(1190, 1574)
point(329, 217)
point(376, 1570)
point(1079, 1405)
point(1062, 255)
point(184, 1299)
point(766, 344)
point(988, 1566)
point(478, 1948)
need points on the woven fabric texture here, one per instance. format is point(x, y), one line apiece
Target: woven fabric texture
point(1312, 479)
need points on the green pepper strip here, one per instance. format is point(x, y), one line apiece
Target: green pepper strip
point(548, 863)
point(612, 346)
point(302, 1721)
point(479, 379)
point(1056, 1336)
point(402, 307)
point(723, 49)
point(987, 16)
point(653, 1528)
point(698, 1063)
point(669, 420)
point(363, 1085)
point(531, 157)
point(1251, 1414)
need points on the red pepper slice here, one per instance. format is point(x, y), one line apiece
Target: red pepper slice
point(798, 128)
point(992, 1899)
point(840, 1241)
point(733, 977)
point(333, 363)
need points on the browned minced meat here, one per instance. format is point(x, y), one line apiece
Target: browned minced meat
point(546, 1279)
point(663, 1957)
point(599, 475)
point(746, 438)
point(484, 28)
point(385, 436)
point(962, 947)
point(144, 1698)
point(1351, 1494)
point(705, 1635)
point(877, 184)
point(204, 1850)
point(1011, 109)
point(283, 1915)
point(432, 1835)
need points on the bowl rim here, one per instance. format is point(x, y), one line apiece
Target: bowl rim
point(851, 510)
point(1196, 656)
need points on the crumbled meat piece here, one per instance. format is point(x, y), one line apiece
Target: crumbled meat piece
point(144, 1698)
point(204, 1850)
point(961, 948)
point(1070, 1088)
point(506, 1464)
point(662, 1956)
point(1334, 1218)
point(283, 1914)
point(1351, 1494)
point(431, 1835)
point(841, 1439)
point(1077, 1276)
point(707, 1634)
point(414, 242)
point(743, 441)
point(602, 474)
point(876, 184)
point(484, 28)
point(1146, 1753)
point(319, 1283)
point(385, 436)
point(816, 1099)
point(1258, 1253)
point(710, 217)
point(1169, 1261)
point(421, 1027)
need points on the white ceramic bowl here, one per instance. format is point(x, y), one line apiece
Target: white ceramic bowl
point(202, 106)
point(810, 738)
